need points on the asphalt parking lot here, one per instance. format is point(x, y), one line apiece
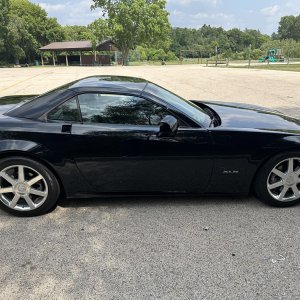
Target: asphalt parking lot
point(159, 247)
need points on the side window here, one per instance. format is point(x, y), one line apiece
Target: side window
point(119, 109)
point(67, 111)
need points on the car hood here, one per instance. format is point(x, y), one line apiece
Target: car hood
point(237, 115)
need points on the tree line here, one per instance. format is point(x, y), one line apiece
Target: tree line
point(208, 41)
point(140, 29)
point(24, 27)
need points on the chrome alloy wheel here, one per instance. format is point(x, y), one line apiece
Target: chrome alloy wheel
point(284, 182)
point(22, 188)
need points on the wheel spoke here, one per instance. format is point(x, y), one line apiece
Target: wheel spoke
point(291, 165)
point(296, 191)
point(283, 183)
point(18, 192)
point(37, 192)
point(21, 175)
point(278, 173)
point(283, 193)
point(275, 185)
point(14, 201)
point(29, 202)
point(7, 178)
point(6, 190)
point(34, 180)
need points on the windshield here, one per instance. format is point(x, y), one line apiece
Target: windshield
point(188, 108)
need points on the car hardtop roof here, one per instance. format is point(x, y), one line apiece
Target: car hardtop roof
point(106, 83)
point(110, 82)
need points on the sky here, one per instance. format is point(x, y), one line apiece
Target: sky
point(254, 14)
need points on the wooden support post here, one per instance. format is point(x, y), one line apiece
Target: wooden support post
point(53, 58)
point(207, 62)
point(67, 61)
point(81, 58)
point(116, 57)
point(42, 59)
point(227, 62)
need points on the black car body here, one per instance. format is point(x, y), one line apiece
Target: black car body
point(220, 151)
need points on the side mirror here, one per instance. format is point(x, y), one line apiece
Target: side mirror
point(168, 126)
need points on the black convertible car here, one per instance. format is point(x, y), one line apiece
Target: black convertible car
point(108, 135)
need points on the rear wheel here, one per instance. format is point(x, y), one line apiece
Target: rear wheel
point(27, 188)
point(278, 182)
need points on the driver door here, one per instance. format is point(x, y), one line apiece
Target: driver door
point(117, 148)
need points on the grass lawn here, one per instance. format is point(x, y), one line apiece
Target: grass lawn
point(291, 67)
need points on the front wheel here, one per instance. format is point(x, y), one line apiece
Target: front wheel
point(27, 188)
point(278, 182)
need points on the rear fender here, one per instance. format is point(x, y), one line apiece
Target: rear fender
point(18, 145)
point(63, 167)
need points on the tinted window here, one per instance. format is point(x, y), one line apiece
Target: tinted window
point(119, 109)
point(68, 111)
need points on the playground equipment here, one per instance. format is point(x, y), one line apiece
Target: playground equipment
point(273, 55)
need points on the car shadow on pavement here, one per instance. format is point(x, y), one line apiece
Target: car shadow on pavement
point(154, 201)
point(178, 200)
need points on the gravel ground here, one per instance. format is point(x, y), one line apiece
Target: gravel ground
point(157, 248)
point(275, 89)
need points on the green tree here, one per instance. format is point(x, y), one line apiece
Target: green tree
point(76, 33)
point(20, 41)
point(236, 37)
point(136, 22)
point(4, 21)
point(27, 28)
point(289, 28)
point(99, 29)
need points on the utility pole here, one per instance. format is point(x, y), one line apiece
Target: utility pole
point(289, 52)
point(249, 56)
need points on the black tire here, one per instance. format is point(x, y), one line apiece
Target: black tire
point(48, 180)
point(262, 178)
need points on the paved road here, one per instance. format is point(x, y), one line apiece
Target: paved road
point(151, 248)
point(156, 248)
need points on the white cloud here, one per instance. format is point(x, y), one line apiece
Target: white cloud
point(196, 20)
point(52, 7)
point(270, 10)
point(274, 13)
point(72, 14)
point(213, 3)
point(189, 13)
point(214, 16)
